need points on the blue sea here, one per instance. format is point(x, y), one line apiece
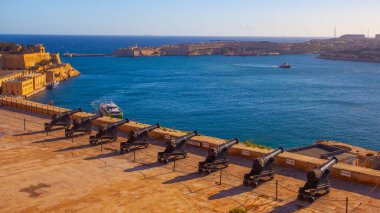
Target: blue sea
point(224, 96)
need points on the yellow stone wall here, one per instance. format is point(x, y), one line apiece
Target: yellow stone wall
point(10, 77)
point(32, 59)
point(39, 81)
point(23, 61)
point(19, 87)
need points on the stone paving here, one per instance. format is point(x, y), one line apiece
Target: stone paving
point(46, 173)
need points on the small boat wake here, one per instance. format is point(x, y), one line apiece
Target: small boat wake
point(256, 65)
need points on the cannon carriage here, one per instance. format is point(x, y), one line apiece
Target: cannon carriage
point(317, 181)
point(137, 138)
point(217, 158)
point(106, 131)
point(175, 149)
point(61, 119)
point(262, 168)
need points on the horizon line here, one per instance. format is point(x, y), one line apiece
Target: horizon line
point(248, 36)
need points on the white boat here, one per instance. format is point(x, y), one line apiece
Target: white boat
point(52, 85)
point(110, 110)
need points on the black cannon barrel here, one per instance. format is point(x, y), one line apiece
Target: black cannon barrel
point(229, 144)
point(187, 137)
point(272, 154)
point(70, 112)
point(328, 164)
point(85, 119)
point(146, 129)
point(93, 117)
point(115, 124)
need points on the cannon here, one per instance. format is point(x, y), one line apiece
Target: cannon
point(107, 131)
point(61, 119)
point(81, 125)
point(317, 181)
point(262, 168)
point(217, 158)
point(137, 138)
point(175, 149)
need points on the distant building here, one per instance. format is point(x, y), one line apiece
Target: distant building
point(39, 80)
point(352, 36)
point(9, 75)
point(377, 36)
point(18, 87)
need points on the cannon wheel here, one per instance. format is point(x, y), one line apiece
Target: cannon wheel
point(207, 171)
point(165, 161)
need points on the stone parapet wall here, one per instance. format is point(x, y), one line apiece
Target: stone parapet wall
point(286, 159)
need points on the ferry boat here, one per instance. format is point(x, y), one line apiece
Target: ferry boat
point(110, 110)
point(52, 85)
point(285, 65)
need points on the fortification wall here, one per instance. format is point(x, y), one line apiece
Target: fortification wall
point(286, 159)
point(62, 72)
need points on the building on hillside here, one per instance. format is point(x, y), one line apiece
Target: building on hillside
point(24, 61)
point(18, 87)
point(39, 80)
point(9, 75)
point(352, 36)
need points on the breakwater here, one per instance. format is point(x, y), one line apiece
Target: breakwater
point(286, 159)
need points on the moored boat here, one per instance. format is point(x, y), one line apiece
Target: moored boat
point(52, 85)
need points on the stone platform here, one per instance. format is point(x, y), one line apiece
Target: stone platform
point(46, 173)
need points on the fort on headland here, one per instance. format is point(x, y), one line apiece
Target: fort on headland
point(347, 47)
point(25, 70)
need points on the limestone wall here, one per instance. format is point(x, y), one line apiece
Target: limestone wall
point(286, 159)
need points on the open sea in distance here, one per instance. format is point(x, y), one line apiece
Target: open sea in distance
point(223, 96)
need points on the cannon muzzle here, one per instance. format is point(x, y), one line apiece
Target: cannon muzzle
point(187, 137)
point(272, 155)
point(319, 171)
point(146, 129)
point(229, 144)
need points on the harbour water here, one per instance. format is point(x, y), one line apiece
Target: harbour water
point(245, 97)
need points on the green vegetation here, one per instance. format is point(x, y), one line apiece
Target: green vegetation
point(250, 143)
point(237, 210)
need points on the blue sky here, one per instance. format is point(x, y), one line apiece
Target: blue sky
point(190, 17)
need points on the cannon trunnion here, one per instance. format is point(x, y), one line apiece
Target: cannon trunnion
point(137, 138)
point(62, 119)
point(81, 125)
point(175, 149)
point(262, 168)
point(217, 158)
point(317, 181)
point(107, 131)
